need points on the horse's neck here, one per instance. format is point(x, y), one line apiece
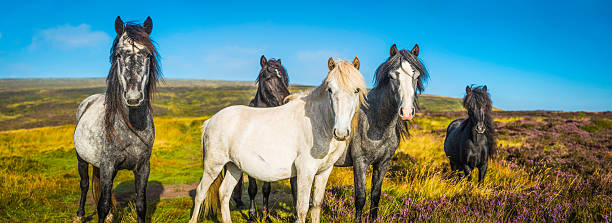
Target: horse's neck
point(469, 126)
point(317, 109)
point(139, 116)
point(382, 111)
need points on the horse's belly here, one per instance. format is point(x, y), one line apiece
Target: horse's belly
point(89, 137)
point(267, 166)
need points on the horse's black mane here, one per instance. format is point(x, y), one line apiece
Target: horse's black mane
point(135, 33)
point(478, 96)
point(272, 93)
point(381, 80)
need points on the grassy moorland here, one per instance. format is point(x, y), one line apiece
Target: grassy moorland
point(551, 166)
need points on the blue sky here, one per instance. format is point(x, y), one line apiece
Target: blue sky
point(551, 55)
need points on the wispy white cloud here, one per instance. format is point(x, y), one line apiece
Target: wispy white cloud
point(69, 37)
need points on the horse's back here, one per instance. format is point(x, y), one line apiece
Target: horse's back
point(89, 131)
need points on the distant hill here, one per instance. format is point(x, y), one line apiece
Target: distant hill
point(29, 103)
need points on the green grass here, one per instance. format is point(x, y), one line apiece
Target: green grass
point(39, 179)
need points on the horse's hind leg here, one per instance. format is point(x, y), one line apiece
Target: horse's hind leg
point(252, 194)
point(232, 176)
point(237, 195)
point(320, 181)
point(211, 172)
point(265, 189)
point(84, 174)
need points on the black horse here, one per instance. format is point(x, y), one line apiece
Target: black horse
point(382, 124)
point(470, 142)
point(273, 87)
point(115, 130)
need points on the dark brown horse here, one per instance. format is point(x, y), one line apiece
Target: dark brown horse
point(273, 87)
point(470, 142)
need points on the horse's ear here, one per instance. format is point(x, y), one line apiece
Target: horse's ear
point(279, 62)
point(468, 89)
point(331, 63)
point(119, 26)
point(263, 61)
point(356, 62)
point(484, 88)
point(393, 50)
point(148, 25)
point(415, 50)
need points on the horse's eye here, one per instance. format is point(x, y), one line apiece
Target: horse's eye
point(356, 90)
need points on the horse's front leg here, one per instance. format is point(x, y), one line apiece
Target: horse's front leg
point(265, 189)
point(304, 184)
point(482, 170)
point(377, 180)
point(252, 194)
point(107, 175)
point(320, 181)
point(141, 177)
point(468, 172)
point(359, 171)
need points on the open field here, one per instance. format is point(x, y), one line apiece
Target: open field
point(551, 166)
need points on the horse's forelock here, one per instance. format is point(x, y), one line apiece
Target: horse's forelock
point(349, 79)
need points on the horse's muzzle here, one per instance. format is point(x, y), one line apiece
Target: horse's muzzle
point(406, 113)
point(341, 135)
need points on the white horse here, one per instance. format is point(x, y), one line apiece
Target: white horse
point(302, 138)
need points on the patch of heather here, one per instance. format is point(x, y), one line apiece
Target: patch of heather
point(560, 141)
point(548, 202)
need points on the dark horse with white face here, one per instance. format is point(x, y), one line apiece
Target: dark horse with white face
point(470, 142)
point(383, 122)
point(272, 88)
point(115, 130)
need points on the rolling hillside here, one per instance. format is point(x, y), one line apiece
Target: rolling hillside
point(29, 103)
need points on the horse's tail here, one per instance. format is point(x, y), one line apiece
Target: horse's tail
point(212, 202)
point(95, 181)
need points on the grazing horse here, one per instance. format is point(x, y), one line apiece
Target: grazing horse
point(115, 130)
point(302, 138)
point(470, 142)
point(382, 124)
point(272, 88)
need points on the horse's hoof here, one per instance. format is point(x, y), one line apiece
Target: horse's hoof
point(77, 219)
point(109, 218)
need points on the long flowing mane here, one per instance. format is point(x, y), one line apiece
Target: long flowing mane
point(479, 96)
point(382, 80)
point(135, 34)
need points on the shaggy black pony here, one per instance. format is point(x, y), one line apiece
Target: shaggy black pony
point(272, 88)
point(470, 142)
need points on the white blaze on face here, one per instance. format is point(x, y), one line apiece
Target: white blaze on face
point(277, 73)
point(133, 65)
point(407, 77)
point(343, 104)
